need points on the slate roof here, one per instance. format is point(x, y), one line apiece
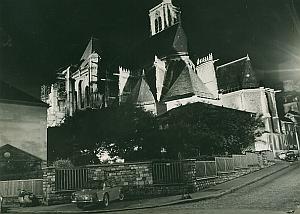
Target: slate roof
point(9, 93)
point(165, 43)
point(141, 94)
point(186, 85)
point(236, 75)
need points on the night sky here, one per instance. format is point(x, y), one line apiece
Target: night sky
point(38, 37)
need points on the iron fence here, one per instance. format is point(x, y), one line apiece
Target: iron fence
point(11, 188)
point(70, 179)
point(224, 164)
point(206, 169)
point(167, 173)
point(240, 161)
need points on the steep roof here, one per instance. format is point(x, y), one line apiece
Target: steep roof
point(9, 93)
point(168, 42)
point(18, 154)
point(92, 47)
point(236, 75)
point(141, 94)
point(186, 85)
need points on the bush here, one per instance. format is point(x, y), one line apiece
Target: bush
point(63, 163)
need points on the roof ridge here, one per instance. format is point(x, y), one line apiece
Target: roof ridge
point(13, 94)
point(234, 61)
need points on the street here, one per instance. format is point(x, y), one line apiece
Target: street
point(274, 194)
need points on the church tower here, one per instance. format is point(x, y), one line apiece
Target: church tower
point(163, 16)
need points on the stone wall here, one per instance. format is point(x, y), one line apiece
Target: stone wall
point(123, 174)
point(137, 180)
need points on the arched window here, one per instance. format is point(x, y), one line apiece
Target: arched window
point(156, 25)
point(87, 96)
point(159, 24)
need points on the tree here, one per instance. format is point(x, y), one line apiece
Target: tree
point(135, 135)
point(124, 131)
point(200, 128)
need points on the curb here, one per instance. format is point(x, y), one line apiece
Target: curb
point(211, 196)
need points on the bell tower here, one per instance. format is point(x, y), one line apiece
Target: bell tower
point(163, 16)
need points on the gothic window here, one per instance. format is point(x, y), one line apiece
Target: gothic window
point(159, 24)
point(156, 25)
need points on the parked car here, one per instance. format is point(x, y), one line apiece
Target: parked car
point(97, 192)
point(288, 156)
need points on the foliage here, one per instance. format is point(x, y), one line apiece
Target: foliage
point(133, 134)
point(199, 128)
point(63, 163)
point(118, 130)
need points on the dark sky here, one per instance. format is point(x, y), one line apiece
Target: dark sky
point(38, 37)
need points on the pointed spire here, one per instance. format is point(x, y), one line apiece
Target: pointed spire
point(247, 57)
point(92, 47)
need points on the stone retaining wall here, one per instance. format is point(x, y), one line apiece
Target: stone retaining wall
point(123, 174)
point(137, 180)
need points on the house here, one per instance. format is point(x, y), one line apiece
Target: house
point(23, 130)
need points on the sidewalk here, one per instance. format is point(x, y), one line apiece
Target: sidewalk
point(213, 192)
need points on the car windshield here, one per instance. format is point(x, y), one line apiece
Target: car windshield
point(93, 185)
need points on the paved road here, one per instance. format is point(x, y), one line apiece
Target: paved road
point(275, 194)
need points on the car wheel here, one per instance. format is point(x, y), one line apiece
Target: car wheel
point(121, 196)
point(105, 200)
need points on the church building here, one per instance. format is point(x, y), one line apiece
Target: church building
point(158, 75)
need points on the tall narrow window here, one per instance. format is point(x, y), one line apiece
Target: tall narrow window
point(87, 96)
point(75, 101)
point(156, 25)
point(80, 97)
point(159, 24)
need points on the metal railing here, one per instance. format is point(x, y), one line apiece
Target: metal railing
point(224, 164)
point(70, 179)
point(206, 169)
point(240, 161)
point(167, 173)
